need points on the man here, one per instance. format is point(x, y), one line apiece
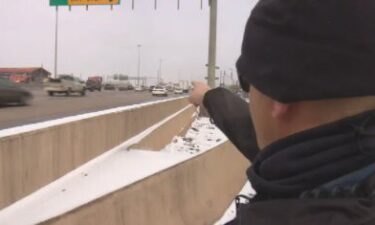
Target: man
point(310, 68)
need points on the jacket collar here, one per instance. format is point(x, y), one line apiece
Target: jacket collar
point(314, 157)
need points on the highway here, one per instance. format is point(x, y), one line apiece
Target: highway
point(44, 107)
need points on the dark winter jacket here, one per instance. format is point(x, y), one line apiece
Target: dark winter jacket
point(322, 176)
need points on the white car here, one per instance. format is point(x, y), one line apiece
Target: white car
point(66, 84)
point(138, 88)
point(178, 91)
point(159, 91)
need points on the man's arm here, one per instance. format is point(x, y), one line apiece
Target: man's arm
point(231, 114)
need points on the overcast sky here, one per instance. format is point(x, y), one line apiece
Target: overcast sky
point(103, 42)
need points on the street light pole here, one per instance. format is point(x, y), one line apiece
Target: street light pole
point(211, 75)
point(231, 76)
point(56, 40)
point(139, 63)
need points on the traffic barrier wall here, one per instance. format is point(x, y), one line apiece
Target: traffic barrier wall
point(164, 134)
point(194, 192)
point(33, 159)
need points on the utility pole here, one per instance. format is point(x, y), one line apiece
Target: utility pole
point(139, 64)
point(159, 72)
point(221, 78)
point(56, 40)
point(211, 70)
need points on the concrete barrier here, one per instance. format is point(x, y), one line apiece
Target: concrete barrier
point(194, 192)
point(163, 135)
point(35, 158)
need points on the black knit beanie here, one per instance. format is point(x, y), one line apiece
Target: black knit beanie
point(296, 50)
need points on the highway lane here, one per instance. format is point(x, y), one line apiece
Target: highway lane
point(44, 107)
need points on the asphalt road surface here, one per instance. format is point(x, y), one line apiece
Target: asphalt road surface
point(44, 107)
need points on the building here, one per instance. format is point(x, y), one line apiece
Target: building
point(24, 75)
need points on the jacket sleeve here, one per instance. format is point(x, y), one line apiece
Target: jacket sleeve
point(231, 114)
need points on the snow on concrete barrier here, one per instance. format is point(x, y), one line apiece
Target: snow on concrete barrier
point(34, 155)
point(191, 181)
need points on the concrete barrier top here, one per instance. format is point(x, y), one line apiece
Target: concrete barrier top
point(51, 123)
point(105, 174)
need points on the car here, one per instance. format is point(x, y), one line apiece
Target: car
point(138, 88)
point(151, 88)
point(159, 91)
point(10, 93)
point(65, 84)
point(170, 88)
point(124, 86)
point(109, 86)
point(185, 86)
point(178, 91)
point(94, 83)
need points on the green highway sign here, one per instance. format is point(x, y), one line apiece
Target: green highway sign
point(58, 2)
point(83, 2)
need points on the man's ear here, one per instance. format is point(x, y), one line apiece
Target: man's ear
point(279, 110)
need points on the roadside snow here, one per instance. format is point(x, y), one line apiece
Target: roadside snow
point(201, 136)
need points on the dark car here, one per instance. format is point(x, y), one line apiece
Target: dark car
point(93, 85)
point(109, 87)
point(11, 93)
point(122, 88)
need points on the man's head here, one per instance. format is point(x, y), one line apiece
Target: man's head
point(274, 120)
point(308, 63)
